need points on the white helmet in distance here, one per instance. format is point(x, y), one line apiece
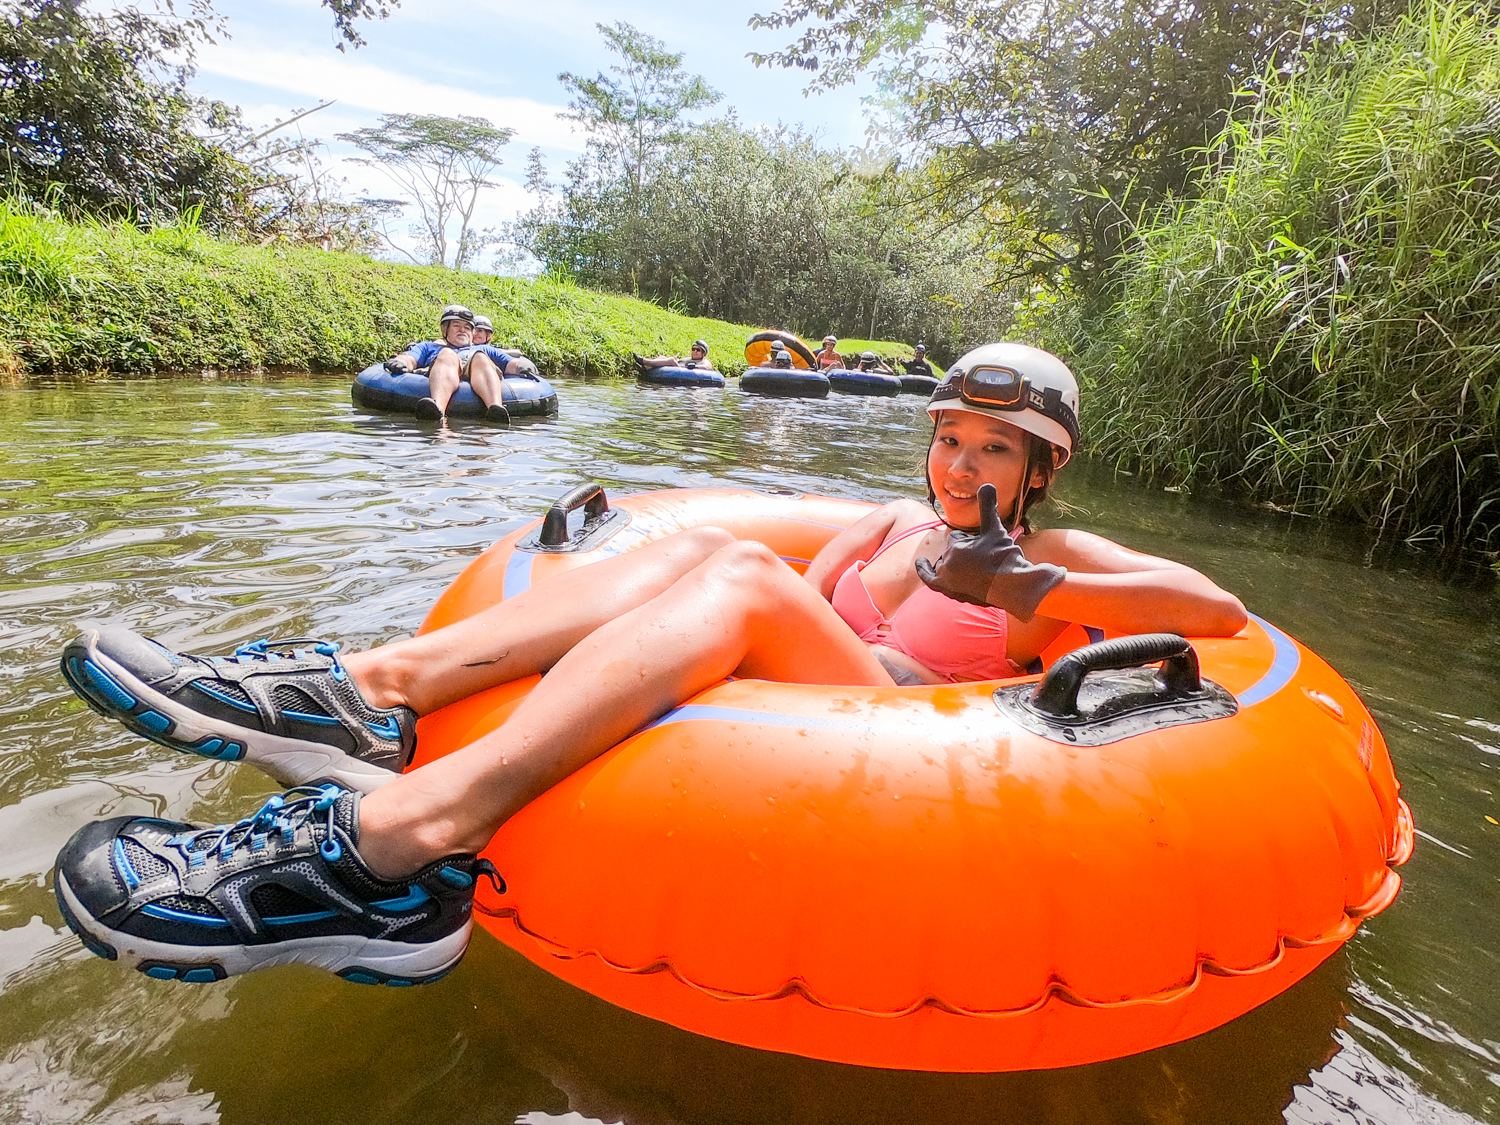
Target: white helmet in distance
point(1022, 385)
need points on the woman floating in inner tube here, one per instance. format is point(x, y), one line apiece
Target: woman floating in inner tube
point(829, 355)
point(697, 359)
point(379, 887)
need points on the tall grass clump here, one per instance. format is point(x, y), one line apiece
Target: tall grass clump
point(41, 259)
point(1320, 326)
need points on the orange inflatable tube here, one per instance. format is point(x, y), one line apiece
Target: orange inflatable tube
point(759, 347)
point(914, 877)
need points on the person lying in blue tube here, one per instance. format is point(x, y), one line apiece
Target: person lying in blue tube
point(450, 360)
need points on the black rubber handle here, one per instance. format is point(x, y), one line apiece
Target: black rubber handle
point(1057, 694)
point(589, 496)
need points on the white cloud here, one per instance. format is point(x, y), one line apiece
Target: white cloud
point(357, 83)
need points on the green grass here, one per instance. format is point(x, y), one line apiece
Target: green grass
point(92, 298)
point(1320, 328)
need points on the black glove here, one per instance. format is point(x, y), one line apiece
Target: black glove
point(523, 368)
point(395, 366)
point(988, 568)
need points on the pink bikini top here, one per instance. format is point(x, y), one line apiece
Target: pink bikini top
point(956, 640)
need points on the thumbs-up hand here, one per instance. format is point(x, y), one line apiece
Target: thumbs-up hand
point(988, 568)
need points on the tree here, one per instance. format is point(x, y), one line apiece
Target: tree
point(763, 226)
point(635, 113)
point(302, 203)
point(96, 115)
point(442, 164)
point(1059, 121)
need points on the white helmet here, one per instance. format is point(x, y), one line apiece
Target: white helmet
point(1022, 385)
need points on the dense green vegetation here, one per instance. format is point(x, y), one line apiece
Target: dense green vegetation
point(1320, 327)
point(1265, 234)
point(94, 296)
point(97, 118)
point(96, 115)
point(1055, 123)
point(736, 223)
point(720, 220)
point(1302, 310)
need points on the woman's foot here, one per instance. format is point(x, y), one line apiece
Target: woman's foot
point(183, 902)
point(288, 707)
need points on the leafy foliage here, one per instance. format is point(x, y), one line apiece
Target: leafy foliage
point(441, 164)
point(346, 12)
point(745, 224)
point(634, 114)
point(96, 120)
point(96, 115)
point(764, 226)
point(1321, 327)
point(1056, 123)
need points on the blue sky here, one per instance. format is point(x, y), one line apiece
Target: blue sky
point(497, 59)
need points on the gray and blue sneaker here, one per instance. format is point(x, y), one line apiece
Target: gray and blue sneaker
point(286, 706)
point(182, 902)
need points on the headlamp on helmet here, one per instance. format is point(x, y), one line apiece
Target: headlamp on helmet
point(1025, 386)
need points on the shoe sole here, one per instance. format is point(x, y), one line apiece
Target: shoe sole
point(356, 959)
point(112, 690)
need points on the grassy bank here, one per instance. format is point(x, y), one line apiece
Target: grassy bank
point(102, 298)
point(1321, 327)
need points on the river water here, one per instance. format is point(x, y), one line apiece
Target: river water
point(212, 512)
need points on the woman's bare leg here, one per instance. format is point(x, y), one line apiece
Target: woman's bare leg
point(742, 612)
point(443, 378)
point(528, 633)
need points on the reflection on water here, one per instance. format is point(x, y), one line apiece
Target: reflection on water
point(210, 512)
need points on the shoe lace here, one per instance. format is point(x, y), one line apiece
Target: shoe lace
point(282, 815)
point(268, 651)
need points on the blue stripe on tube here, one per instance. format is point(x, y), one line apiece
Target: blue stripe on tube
point(518, 573)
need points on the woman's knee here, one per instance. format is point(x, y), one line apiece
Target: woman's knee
point(704, 541)
point(749, 562)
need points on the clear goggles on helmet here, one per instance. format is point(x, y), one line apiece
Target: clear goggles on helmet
point(1002, 388)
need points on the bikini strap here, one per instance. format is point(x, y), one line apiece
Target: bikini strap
point(907, 534)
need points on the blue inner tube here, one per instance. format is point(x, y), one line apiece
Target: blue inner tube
point(918, 384)
point(681, 377)
point(375, 388)
point(781, 382)
point(863, 382)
